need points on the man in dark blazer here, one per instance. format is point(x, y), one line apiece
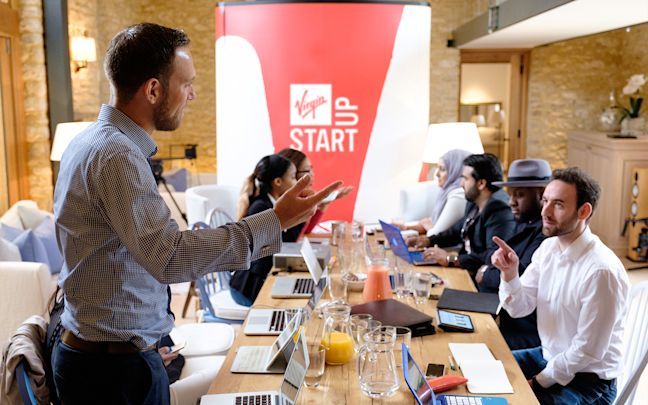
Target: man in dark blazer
point(526, 182)
point(487, 214)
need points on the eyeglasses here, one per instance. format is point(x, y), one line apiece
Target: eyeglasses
point(300, 173)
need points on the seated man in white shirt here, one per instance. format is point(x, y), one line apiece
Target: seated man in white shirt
point(580, 290)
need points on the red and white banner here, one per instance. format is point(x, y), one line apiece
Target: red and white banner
point(346, 83)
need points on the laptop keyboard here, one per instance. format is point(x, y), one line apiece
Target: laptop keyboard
point(265, 399)
point(304, 286)
point(453, 400)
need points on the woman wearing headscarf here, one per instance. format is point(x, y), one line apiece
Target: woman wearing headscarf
point(451, 203)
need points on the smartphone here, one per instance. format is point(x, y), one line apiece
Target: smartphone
point(176, 348)
point(330, 197)
point(435, 370)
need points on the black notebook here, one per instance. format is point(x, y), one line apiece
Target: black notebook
point(469, 301)
point(395, 313)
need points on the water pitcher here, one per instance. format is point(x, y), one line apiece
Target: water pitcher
point(376, 365)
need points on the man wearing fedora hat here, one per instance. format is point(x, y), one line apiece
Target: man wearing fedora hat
point(527, 179)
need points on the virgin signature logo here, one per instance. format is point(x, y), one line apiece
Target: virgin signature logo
point(305, 107)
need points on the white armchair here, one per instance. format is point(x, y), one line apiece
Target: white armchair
point(25, 288)
point(202, 199)
point(417, 201)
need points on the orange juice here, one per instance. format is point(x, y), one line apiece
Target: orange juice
point(339, 347)
point(377, 286)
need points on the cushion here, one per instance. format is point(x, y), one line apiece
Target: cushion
point(12, 216)
point(9, 252)
point(31, 217)
point(46, 233)
point(203, 339)
point(9, 232)
point(31, 248)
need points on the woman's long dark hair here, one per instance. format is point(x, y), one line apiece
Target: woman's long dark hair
point(260, 182)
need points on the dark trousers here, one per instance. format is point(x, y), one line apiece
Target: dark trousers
point(582, 390)
point(101, 378)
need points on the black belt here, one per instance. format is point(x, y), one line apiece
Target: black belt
point(592, 378)
point(101, 347)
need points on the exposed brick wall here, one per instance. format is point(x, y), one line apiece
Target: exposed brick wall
point(35, 91)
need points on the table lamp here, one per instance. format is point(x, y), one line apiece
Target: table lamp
point(451, 135)
point(65, 132)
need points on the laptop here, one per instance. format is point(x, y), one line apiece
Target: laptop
point(424, 395)
point(399, 246)
point(288, 392)
point(268, 359)
point(297, 287)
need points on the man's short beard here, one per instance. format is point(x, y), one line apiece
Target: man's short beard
point(162, 119)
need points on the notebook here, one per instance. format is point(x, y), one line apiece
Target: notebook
point(469, 301)
point(396, 313)
point(485, 374)
point(424, 394)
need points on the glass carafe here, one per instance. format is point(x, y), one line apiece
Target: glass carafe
point(337, 340)
point(376, 365)
point(377, 286)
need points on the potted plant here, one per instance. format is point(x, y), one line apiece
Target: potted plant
point(632, 123)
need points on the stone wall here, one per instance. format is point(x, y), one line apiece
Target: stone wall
point(570, 82)
point(35, 91)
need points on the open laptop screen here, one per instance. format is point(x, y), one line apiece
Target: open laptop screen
point(310, 258)
point(416, 380)
point(396, 241)
point(295, 372)
point(284, 337)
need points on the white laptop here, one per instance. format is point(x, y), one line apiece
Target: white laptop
point(273, 321)
point(288, 392)
point(297, 287)
point(268, 359)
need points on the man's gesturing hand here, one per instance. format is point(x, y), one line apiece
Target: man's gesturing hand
point(505, 259)
point(299, 203)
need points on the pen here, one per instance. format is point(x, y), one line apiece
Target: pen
point(452, 364)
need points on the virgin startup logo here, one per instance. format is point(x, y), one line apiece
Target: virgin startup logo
point(320, 123)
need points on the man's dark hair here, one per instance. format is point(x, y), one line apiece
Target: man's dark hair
point(139, 53)
point(486, 166)
point(587, 189)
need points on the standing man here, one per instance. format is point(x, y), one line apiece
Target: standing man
point(580, 290)
point(487, 214)
point(527, 179)
point(120, 246)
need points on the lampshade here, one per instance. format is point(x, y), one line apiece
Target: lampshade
point(83, 49)
point(451, 135)
point(65, 132)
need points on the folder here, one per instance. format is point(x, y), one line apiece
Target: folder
point(469, 301)
point(395, 313)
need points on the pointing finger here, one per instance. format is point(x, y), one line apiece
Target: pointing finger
point(499, 242)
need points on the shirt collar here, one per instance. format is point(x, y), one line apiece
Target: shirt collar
point(578, 247)
point(272, 199)
point(128, 127)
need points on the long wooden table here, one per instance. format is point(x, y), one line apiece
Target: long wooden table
point(340, 383)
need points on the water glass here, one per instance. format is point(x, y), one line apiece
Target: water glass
point(315, 371)
point(357, 231)
point(402, 279)
point(403, 335)
point(337, 233)
point(338, 286)
point(359, 324)
point(421, 285)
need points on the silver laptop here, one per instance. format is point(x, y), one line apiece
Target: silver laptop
point(297, 287)
point(268, 359)
point(271, 322)
point(288, 392)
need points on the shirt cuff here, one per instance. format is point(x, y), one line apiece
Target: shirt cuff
point(510, 287)
point(265, 229)
point(544, 380)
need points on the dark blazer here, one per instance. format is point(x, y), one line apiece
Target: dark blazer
point(496, 219)
point(519, 333)
point(249, 282)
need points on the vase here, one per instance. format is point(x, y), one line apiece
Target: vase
point(633, 126)
point(610, 118)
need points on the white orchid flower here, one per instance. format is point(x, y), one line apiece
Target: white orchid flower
point(634, 84)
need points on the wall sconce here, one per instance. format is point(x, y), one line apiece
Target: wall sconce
point(82, 51)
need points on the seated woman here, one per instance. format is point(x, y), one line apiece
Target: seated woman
point(451, 203)
point(304, 167)
point(272, 177)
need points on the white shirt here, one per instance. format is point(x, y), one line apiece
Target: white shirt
point(453, 210)
point(581, 296)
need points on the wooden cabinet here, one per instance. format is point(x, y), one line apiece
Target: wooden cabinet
point(610, 162)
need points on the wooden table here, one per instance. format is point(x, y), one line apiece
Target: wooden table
point(340, 383)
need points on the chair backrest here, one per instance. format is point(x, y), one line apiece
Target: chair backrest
point(635, 343)
point(217, 217)
point(25, 288)
point(417, 201)
point(201, 199)
point(24, 384)
point(210, 284)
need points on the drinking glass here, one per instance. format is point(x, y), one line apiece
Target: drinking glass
point(421, 285)
point(315, 371)
point(402, 278)
point(359, 324)
point(337, 233)
point(403, 335)
point(337, 285)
